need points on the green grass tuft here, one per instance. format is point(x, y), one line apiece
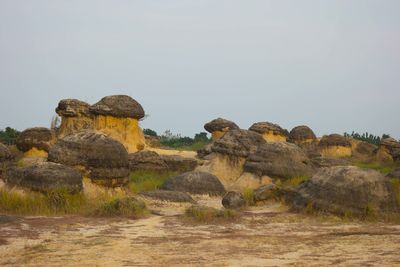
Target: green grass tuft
point(248, 195)
point(141, 181)
point(382, 168)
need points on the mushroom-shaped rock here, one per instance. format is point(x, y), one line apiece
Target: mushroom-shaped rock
point(75, 117)
point(45, 177)
point(280, 160)
point(195, 183)
point(335, 145)
point(270, 131)
point(35, 142)
point(147, 161)
point(233, 200)
point(118, 116)
point(167, 195)
point(219, 127)
point(302, 134)
point(179, 164)
point(347, 190)
point(104, 158)
point(389, 150)
point(5, 153)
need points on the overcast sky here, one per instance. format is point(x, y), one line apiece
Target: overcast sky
point(332, 65)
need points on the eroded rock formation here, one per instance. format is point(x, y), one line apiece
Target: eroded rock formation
point(335, 145)
point(270, 132)
point(35, 142)
point(219, 127)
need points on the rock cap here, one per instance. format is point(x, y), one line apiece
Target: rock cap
point(121, 106)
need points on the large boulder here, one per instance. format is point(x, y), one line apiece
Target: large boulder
point(121, 106)
point(147, 161)
point(219, 127)
point(364, 150)
point(5, 153)
point(105, 159)
point(323, 162)
point(347, 190)
point(270, 131)
point(233, 200)
point(179, 164)
point(302, 134)
point(167, 195)
point(35, 141)
point(45, 177)
point(335, 145)
point(195, 183)
point(280, 160)
point(390, 148)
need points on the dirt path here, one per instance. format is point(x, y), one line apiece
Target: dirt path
point(260, 237)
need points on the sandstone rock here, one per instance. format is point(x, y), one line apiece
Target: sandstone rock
point(75, 117)
point(335, 145)
point(195, 183)
point(104, 158)
point(179, 164)
point(395, 173)
point(205, 151)
point(219, 127)
point(233, 200)
point(35, 141)
point(280, 160)
point(347, 190)
point(152, 141)
point(44, 177)
point(167, 195)
point(322, 162)
point(265, 192)
point(117, 116)
point(5, 153)
point(147, 161)
point(270, 131)
point(392, 147)
point(302, 134)
point(364, 150)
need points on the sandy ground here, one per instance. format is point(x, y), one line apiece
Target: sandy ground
point(262, 236)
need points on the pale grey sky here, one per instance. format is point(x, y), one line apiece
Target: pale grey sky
point(332, 65)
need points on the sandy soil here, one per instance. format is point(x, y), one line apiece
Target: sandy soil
point(262, 236)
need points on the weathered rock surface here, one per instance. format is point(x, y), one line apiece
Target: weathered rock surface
point(147, 161)
point(395, 173)
point(392, 146)
point(167, 195)
point(335, 145)
point(39, 138)
point(364, 150)
point(239, 143)
point(152, 141)
point(220, 124)
point(195, 183)
point(322, 162)
point(44, 177)
point(347, 190)
point(233, 200)
point(104, 158)
point(280, 160)
point(205, 151)
point(72, 108)
point(265, 192)
point(270, 131)
point(5, 153)
point(122, 106)
point(301, 134)
point(179, 164)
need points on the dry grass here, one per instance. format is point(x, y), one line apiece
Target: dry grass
point(205, 214)
point(141, 181)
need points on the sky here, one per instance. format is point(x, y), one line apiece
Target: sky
point(331, 65)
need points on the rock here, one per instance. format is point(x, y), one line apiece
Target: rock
point(233, 200)
point(394, 173)
point(167, 195)
point(392, 147)
point(265, 192)
point(5, 153)
point(270, 131)
point(322, 162)
point(280, 160)
point(118, 117)
point(335, 145)
point(347, 190)
point(104, 158)
point(239, 143)
point(179, 164)
point(302, 134)
point(35, 141)
point(195, 183)
point(147, 161)
point(152, 141)
point(205, 151)
point(364, 150)
point(45, 177)
point(121, 106)
point(75, 117)
point(128, 206)
point(219, 127)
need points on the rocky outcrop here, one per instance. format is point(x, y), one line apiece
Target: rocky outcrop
point(233, 200)
point(179, 164)
point(5, 153)
point(279, 160)
point(394, 173)
point(167, 195)
point(335, 145)
point(75, 117)
point(363, 150)
point(104, 159)
point(147, 161)
point(271, 132)
point(152, 141)
point(195, 183)
point(45, 177)
point(219, 127)
point(265, 192)
point(389, 150)
point(322, 162)
point(118, 117)
point(347, 190)
point(205, 151)
point(302, 134)
point(35, 142)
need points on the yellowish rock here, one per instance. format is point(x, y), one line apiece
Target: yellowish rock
point(35, 152)
point(336, 151)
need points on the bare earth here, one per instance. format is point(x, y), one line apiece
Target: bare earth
point(262, 236)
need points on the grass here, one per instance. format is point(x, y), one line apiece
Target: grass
point(60, 202)
point(248, 195)
point(141, 181)
point(396, 188)
point(192, 147)
point(207, 214)
point(382, 168)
